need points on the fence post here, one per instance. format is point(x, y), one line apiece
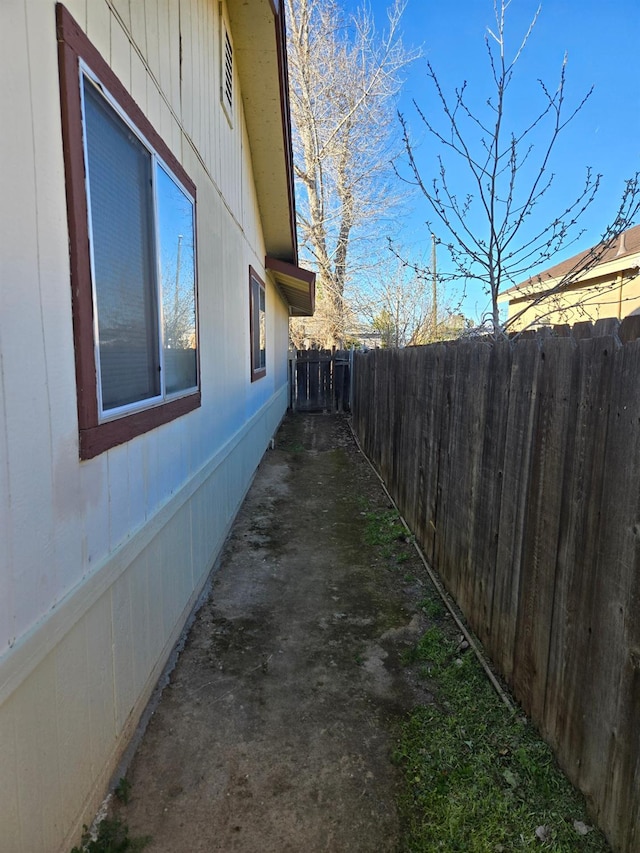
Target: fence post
point(351, 378)
point(291, 376)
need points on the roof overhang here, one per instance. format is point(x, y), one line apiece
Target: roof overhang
point(258, 32)
point(297, 286)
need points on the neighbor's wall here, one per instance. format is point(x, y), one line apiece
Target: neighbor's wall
point(517, 465)
point(101, 561)
point(611, 293)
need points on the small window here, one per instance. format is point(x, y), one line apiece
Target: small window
point(258, 326)
point(131, 211)
point(226, 68)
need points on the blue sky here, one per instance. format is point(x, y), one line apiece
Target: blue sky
point(602, 42)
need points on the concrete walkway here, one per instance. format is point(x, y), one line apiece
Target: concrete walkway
point(276, 731)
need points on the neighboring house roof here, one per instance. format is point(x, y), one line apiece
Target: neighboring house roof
point(623, 254)
point(259, 43)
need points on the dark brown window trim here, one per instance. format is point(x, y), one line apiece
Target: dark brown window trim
point(256, 372)
point(96, 437)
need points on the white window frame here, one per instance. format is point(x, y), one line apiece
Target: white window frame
point(258, 370)
point(157, 161)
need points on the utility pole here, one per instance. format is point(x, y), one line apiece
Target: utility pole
point(434, 286)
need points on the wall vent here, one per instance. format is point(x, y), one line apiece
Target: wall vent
point(227, 72)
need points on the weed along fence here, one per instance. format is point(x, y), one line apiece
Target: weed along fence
point(319, 380)
point(517, 465)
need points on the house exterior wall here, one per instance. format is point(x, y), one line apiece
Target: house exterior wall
point(102, 560)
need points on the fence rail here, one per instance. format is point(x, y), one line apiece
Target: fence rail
point(517, 465)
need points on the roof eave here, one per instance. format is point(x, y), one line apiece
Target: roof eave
point(297, 286)
point(263, 82)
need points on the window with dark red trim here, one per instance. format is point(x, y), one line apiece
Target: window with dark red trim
point(131, 212)
point(257, 325)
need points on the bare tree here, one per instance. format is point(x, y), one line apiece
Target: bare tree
point(495, 233)
point(398, 302)
point(178, 308)
point(344, 78)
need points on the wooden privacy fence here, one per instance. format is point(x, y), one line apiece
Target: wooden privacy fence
point(319, 380)
point(517, 465)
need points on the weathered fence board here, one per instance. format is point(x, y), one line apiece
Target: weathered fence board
point(578, 684)
point(486, 515)
point(607, 745)
point(623, 546)
point(521, 415)
point(434, 425)
point(517, 465)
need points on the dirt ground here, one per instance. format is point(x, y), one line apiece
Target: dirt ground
point(276, 730)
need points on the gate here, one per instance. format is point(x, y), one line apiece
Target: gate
point(320, 380)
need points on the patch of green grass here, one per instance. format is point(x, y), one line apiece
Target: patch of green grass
point(478, 779)
point(122, 790)
point(362, 503)
point(433, 607)
point(385, 530)
point(112, 837)
point(291, 446)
